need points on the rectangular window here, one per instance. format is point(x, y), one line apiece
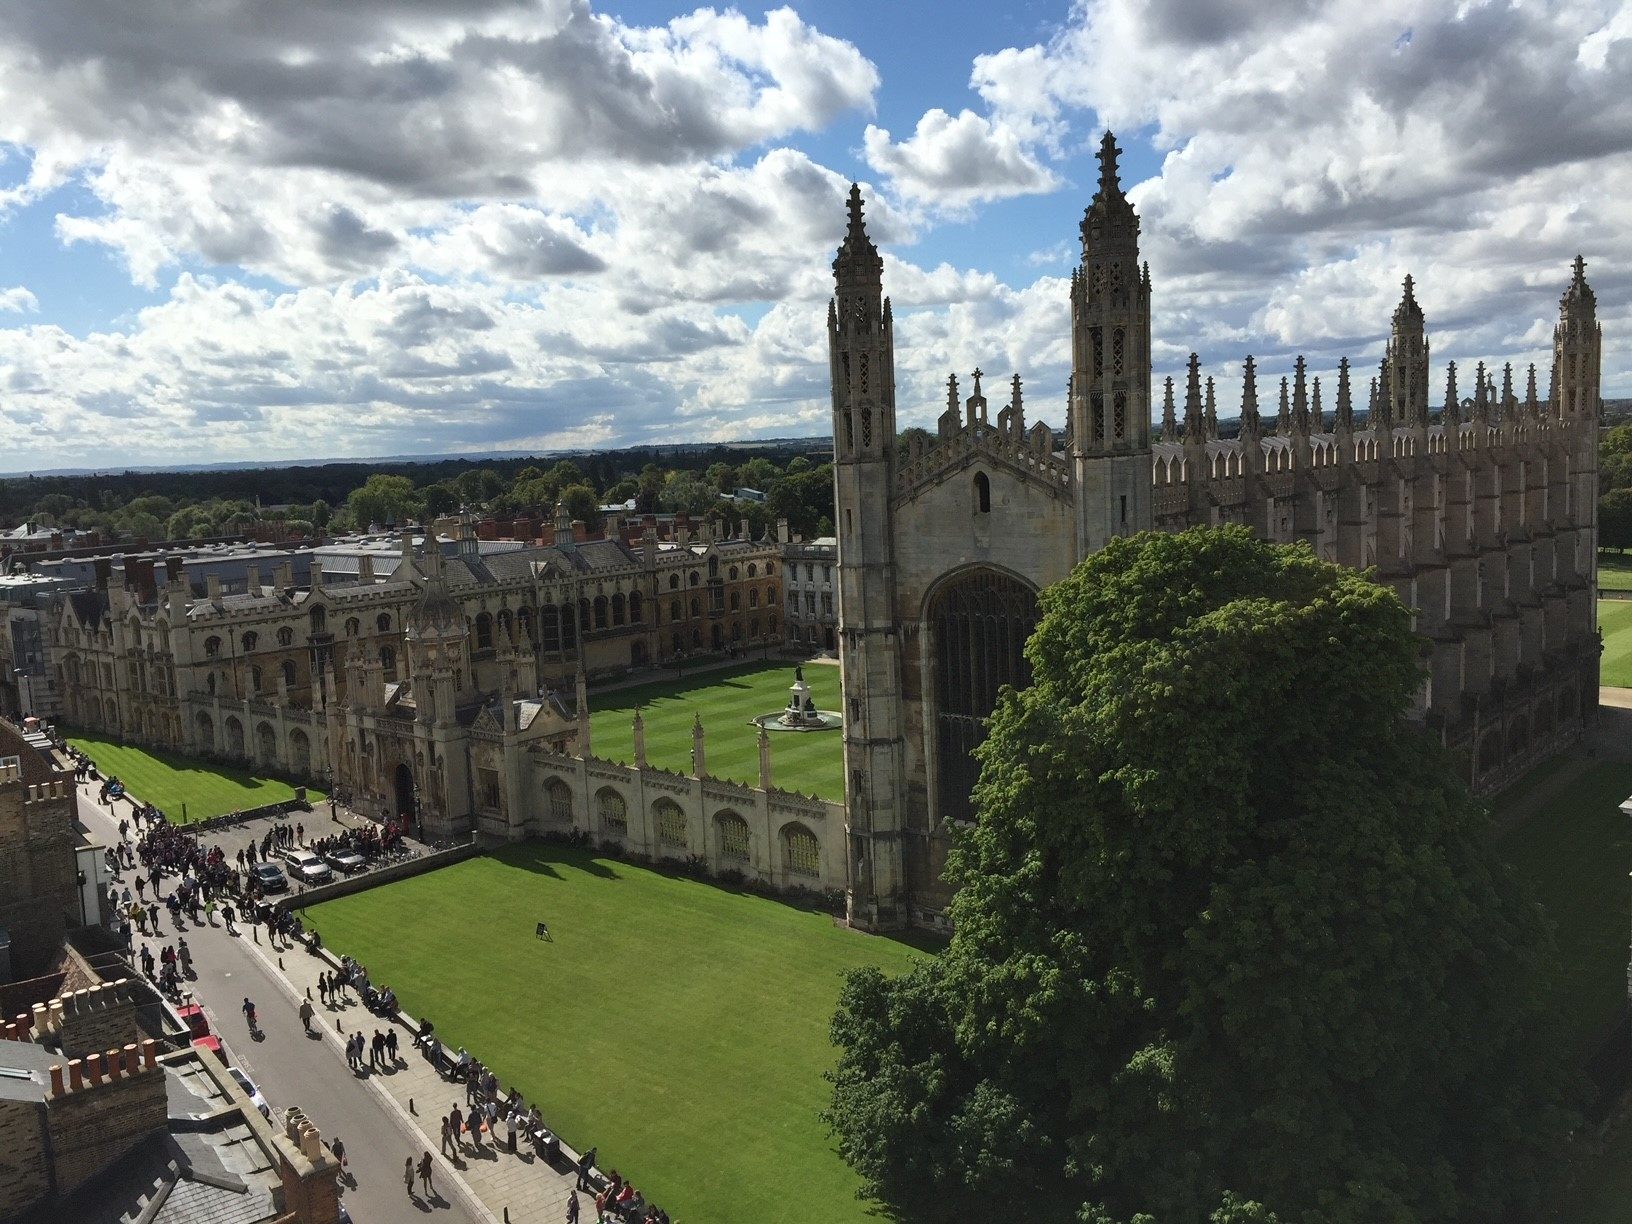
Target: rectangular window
point(1124, 509)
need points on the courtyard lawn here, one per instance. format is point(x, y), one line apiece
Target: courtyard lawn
point(1614, 570)
point(1615, 619)
point(811, 762)
point(179, 784)
point(680, 1027)
point(1575, 850)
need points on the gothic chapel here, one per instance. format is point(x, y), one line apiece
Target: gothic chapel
point(1481, 515)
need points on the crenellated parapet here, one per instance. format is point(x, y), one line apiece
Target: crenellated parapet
point(969, 436)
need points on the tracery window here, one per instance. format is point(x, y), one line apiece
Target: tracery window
point(612, 811)
point(671, 824)
point(1119, 343)
point(733, 837)
point(801, 852)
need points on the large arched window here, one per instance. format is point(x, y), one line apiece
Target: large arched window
point(983, 494)
point(801, 852)
point(634, 607)
point(612, 812)
point(600, 611)
point(484, 631)
point(558, 796)
point(979, 622)
point(383, 622)
point(671, 824)
point(733, 830)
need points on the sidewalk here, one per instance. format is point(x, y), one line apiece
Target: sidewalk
point(522, 1185)
point(520, 1188)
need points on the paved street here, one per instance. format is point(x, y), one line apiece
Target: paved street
point(293, 1069)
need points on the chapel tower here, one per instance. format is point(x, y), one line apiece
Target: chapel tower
point(1577, 357)
point(1403, 396)
point(1110, 368)
point(862, 351)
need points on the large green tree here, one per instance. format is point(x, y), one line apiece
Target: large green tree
point(1231, 938)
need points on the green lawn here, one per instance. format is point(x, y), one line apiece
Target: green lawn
point(810, 762)
point(1615, 570)
point(680, 1027)
point(1615, 619)
point(1576, 851)
point(186, 788)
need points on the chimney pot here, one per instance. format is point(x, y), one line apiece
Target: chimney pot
point(76, 1074)
point(56, 1080)
point(93, 1068)
point(148, 1056)
point(114, 1065)
point(133, 1062)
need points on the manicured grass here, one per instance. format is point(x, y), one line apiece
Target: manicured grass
point(1615, 619)
point(1576, 851)
point(680, 1027)
point(186, 788)
point(1615, 570)
point(811, 762)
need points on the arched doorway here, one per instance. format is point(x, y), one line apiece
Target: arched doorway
point(407, 801)
point(979, 622)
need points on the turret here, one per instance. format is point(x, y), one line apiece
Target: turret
point(1300, 397)
point(1195, 424)
point(862, 368)
point(1577, 350)
point(1403, 384)
point(1210, 412)
point(1110, 367)
point(1453, 406)
point(1283, 414)
point(1170, 421)
point(1343, 412)
point(1251, 426)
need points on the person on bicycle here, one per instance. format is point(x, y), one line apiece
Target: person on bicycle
point(249, 1012)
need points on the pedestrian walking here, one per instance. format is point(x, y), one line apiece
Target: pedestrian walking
point(572, 1207)
point(490, 1111)
point(425, 1173)
point(447, 1133)
point(457, 1121)
point(510, 1130)
point(391, 1045)
point(586, 1162)
point(339, 1150)
point(306, 1015)
point(230, 916)
point(140, 884)
point(408, 1175)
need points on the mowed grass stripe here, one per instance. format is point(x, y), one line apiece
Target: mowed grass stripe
point(1615, 619)
point(809, 762)
point(172, 780)
point(679, 1026)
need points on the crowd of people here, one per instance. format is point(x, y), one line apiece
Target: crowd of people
point(206, 881)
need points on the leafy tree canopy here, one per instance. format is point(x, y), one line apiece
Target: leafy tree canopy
point(1231, 940)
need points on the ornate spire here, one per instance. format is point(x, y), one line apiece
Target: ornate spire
point(1316, 419)
point(1343, 415)
point(1110, 225)
point(1509, 404)
point(1481, 395)
point(1383, 410)
point(1283, 416)
point(858, 258)
point(1579, 293)
point(1453, 406)
point(1300, 396)
point(1210, 413)
point(1532, 406)
point(1249, 399)
point(1017, 411)
point(1194, 422)
point(1408, 312)
point(1170, 423)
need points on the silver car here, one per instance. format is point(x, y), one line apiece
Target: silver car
point(250, 1090)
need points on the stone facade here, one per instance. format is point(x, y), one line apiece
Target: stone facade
point(39, 869)
point(1480, 514)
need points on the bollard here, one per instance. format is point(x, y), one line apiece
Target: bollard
point(339, 1025)
point(280, 962)
point(507, 1215)
point(308, 994)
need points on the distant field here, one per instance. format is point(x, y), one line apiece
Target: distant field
point(809, 762)
point(1615, 619)
point(186, 788)
point(1615, 571)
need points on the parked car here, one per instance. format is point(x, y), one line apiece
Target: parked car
point(307, 867)
point(269, 877)
point(346, 862)
point(252, 1092)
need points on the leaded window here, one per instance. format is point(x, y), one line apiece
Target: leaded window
point(802, 853)
point(671, 824)
point(613, 812)
point(733, 837)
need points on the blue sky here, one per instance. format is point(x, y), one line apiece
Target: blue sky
point(540, 223)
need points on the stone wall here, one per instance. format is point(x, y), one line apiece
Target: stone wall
point(24, 1172)
point(39, 872)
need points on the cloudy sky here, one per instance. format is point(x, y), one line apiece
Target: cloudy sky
point(307, 228)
